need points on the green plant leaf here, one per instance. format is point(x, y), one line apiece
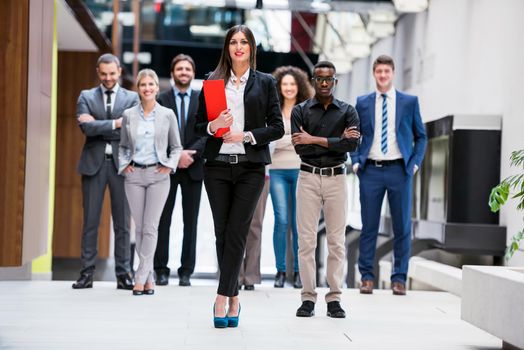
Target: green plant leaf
point(498, 196)
point(514, 245)
point(517, 157)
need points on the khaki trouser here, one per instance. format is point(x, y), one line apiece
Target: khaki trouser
point(313, 193)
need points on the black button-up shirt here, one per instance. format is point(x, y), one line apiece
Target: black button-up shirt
point(329, 123)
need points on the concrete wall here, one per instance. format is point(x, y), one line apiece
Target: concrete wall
point(461, 57)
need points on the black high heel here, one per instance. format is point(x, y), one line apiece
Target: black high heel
point(280, 279)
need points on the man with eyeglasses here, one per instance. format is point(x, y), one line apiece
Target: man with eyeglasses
point(323, 130)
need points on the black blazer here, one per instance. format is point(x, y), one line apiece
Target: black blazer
point(262, 117)
point(191, 140)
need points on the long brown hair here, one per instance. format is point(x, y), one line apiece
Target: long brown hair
point(305, 90)
point(223, 69)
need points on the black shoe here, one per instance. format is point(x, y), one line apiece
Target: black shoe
point(162, 279)
point(124, 281)
point(249, 287)
point(184, 281)
point(297, 283)
point(138, 292)
point(280, 279)
point(334, 310)
point(85, 281)
point(307, 309)
point(149, 291)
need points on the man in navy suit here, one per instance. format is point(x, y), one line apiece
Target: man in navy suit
point(189, 175)
point(391, 151)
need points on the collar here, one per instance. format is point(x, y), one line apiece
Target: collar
point(176, 91)
point(114, 89)
point(391, 93)
point(243, 78)
point(334, 102)
point(151, 115)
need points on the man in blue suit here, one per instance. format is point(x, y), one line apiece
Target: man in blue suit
point(391, 151)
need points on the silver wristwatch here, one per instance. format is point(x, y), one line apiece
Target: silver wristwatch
point(247, 138)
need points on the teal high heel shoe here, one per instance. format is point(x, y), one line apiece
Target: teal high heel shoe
point(232, 321)
point(220, 322)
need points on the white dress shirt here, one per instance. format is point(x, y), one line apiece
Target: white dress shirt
point(109, 149)
point(393, 152)
point(235, 102)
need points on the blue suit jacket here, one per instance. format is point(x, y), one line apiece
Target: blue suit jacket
point(411, 135)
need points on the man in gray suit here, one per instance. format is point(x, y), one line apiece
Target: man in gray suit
point(99, 117)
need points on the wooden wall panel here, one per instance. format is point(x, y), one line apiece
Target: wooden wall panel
point(14, 29)
point(38, 130)
point(76, 71)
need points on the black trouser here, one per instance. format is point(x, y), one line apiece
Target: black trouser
point(191, 192)
point(233, 192)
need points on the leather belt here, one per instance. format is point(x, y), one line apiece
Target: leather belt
point(381, 163)
point(143, 166)
point(232, 158)
point(337, 170)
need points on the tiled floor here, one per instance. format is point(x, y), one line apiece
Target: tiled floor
point(51, 315)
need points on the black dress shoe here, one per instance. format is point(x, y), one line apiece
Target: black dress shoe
point(297, 283)
point(85, 281)
point(162, 279)
point(307, 309)
point(184, 281)
point(149, 291)
point(138, 292)
point(124, 281)
point(249, 287)
point(334, 310)
point(280, 279)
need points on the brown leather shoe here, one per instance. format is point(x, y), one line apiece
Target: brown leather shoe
point(398, 288)
point(366, 287)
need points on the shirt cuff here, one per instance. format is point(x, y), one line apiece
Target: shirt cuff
point(113, 124)
point(253, 141)
point(209, 130)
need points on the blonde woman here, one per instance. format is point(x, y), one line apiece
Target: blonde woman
point(149, 151)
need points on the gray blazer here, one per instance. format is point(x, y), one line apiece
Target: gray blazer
point(100, 131)
point(167, 138)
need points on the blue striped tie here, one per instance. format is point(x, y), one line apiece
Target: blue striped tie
point(384, 138)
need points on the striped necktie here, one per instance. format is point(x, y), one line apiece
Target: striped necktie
point(384, 134)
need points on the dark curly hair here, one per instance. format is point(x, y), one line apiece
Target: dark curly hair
point(305, 90)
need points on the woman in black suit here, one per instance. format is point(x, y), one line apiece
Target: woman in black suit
point(234, 170)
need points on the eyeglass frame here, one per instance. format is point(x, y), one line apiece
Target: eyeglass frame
point(324, 79)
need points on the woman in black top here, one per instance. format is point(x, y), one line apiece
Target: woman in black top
point(234, 170)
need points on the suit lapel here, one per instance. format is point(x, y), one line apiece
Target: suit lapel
point(158, 127)
point(193, 102)
point(249, 85)
point(133, 125)
point(250, 81)
point(99, 98)
point(119, 103)
point(371, 106)
point(171, 101)
point(398, 109)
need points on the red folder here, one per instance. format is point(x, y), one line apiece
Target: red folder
point(215, 97)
